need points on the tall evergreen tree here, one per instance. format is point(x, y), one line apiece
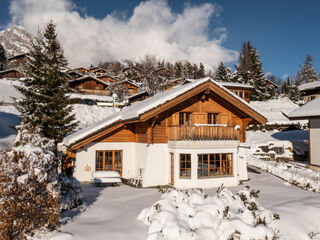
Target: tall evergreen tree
point(201, 72)
point(307, 73)
point(45, 104)
point(223, 73)
point(294, 92)
point(243, 69)
point(3, 58)
point(249, 71)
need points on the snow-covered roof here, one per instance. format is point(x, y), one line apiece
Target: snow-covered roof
point(133, 112)
point(235, 84)
point(309, 86)
point(225, 84)
point(10, 70)
point(128, 81)
point(89, 76)
point(310, 109)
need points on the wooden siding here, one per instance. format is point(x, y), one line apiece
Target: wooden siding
point(123, 134)
point(11, 74)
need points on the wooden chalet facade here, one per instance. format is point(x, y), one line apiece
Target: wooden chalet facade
point(90, 85)
point(189, 136)
point(131, 86)
point(13, 74)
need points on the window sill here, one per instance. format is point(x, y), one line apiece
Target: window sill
point(223, 176)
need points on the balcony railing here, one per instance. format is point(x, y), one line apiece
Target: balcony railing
point(203, 132)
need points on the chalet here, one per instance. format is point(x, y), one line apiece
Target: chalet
point(107, 78)
point(17, 60)
point(189, 136)
point(81, 70)
point(89, 84)
point(132, 87)
point(97, 71)
point(14, 74)
point(138, 97)
point(74, 74)
point(270, 83)
point(240, 89)
point(311, 111)
point(310, 90)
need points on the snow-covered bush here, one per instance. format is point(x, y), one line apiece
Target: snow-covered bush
point(298, 175)
point(191, 214)
point(70, 192)
point(29, 189)
point(273, 150)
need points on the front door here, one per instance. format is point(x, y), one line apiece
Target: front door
point(172, 168)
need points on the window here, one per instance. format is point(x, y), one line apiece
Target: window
point(241, 94)
point(219, 164)
point(185, 165)
point(212, 118)
point(184, 119)
point(109, 161)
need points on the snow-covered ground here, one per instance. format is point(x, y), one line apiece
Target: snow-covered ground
point(89, 114)
point(112, 211)
point(298, 138)
point(8, 119)
point(8, 90)
point(276, 109)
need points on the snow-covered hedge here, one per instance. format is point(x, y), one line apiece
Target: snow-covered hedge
point(300, 176)
point(191, 214)
point(70, 193)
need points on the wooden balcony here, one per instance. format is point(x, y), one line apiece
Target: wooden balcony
point(203, 132)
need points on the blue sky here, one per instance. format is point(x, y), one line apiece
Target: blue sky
point(283, 31)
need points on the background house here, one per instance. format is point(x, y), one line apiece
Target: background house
point(311, 111)
point(310, 90)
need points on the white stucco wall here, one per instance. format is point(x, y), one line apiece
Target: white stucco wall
point(153, 162)
point(156, 170)
point(243, 154)
point(315, 141)
point(203, 147)
point(85, 157)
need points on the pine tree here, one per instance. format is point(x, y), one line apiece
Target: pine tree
point(307, 73)
point(3, 58)
point(223, 73)
point(244, 67)
point(45, 104)
point(249, 71)
point(294, 92)
point(201, 72)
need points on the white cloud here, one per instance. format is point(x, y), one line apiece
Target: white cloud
point(153, 29)
point(285, 76)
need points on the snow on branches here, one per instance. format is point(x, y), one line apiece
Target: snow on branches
point(190, 214)
point(28, 186)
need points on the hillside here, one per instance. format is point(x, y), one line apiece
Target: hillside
point(16, 40)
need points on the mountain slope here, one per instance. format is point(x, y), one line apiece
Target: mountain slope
point(15, 40)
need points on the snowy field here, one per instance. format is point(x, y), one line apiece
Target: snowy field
point(112, 211)
point(275, 110)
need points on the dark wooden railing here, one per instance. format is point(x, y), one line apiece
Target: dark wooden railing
point(178, 133)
